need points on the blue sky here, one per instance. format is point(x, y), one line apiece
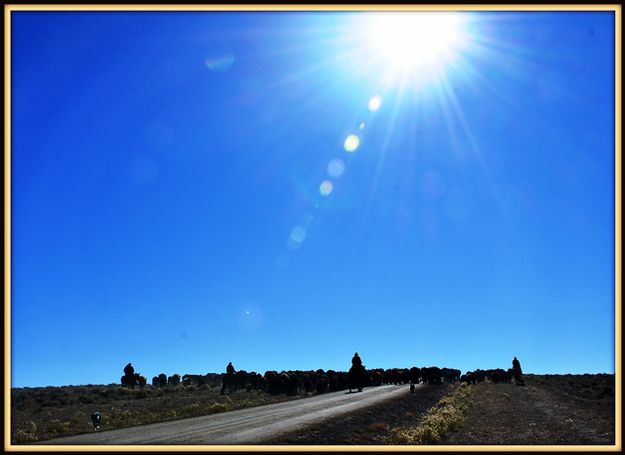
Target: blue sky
point(182, 195)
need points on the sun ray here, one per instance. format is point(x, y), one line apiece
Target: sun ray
point(474, 147)
point(382, 152)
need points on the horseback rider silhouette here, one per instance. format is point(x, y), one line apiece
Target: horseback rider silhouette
point(355, 376)
point(516, 369)
point(229, 380)
point(129, 370)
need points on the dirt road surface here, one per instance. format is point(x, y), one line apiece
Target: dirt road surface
point(244, 426)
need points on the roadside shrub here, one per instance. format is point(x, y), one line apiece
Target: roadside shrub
point(28, 432)
point(80, 422)
point(444, 416)
point(30, 426)
point(47, 403)
point(218, 407)
point(193, 408)
point(55, 426)
point(85, 399)
point(418, 435)
point(107, 393)
point(21, 436)
point(377, 426)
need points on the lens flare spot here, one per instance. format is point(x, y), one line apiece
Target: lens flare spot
point(249, 316)
point(336, 168)
point(362, 126)
point(298, 234)
point(375, 103)
point(325, 188)
point(351, 143)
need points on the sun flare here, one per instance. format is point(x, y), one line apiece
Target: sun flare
point(411, 40)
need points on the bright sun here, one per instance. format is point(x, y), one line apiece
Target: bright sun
point(415, 40)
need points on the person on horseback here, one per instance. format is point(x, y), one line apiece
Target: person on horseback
point(129, 370)
point(517, 372)
point(355, 376)
point(229, 380)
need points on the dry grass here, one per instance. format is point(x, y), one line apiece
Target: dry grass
point(368, 426)
point(48, 412)
point(440, 419)
point(377, 426)
point(549, 410)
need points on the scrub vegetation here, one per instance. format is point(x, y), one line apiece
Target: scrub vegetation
point(41, 413)
point(444, 416)
point(549, 409)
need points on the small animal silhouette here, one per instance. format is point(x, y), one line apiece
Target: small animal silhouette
point(96, 418)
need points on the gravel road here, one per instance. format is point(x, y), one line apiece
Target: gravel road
point(244, 426)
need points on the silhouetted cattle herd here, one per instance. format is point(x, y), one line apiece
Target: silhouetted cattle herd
point(294, 382)
point(496, 376)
